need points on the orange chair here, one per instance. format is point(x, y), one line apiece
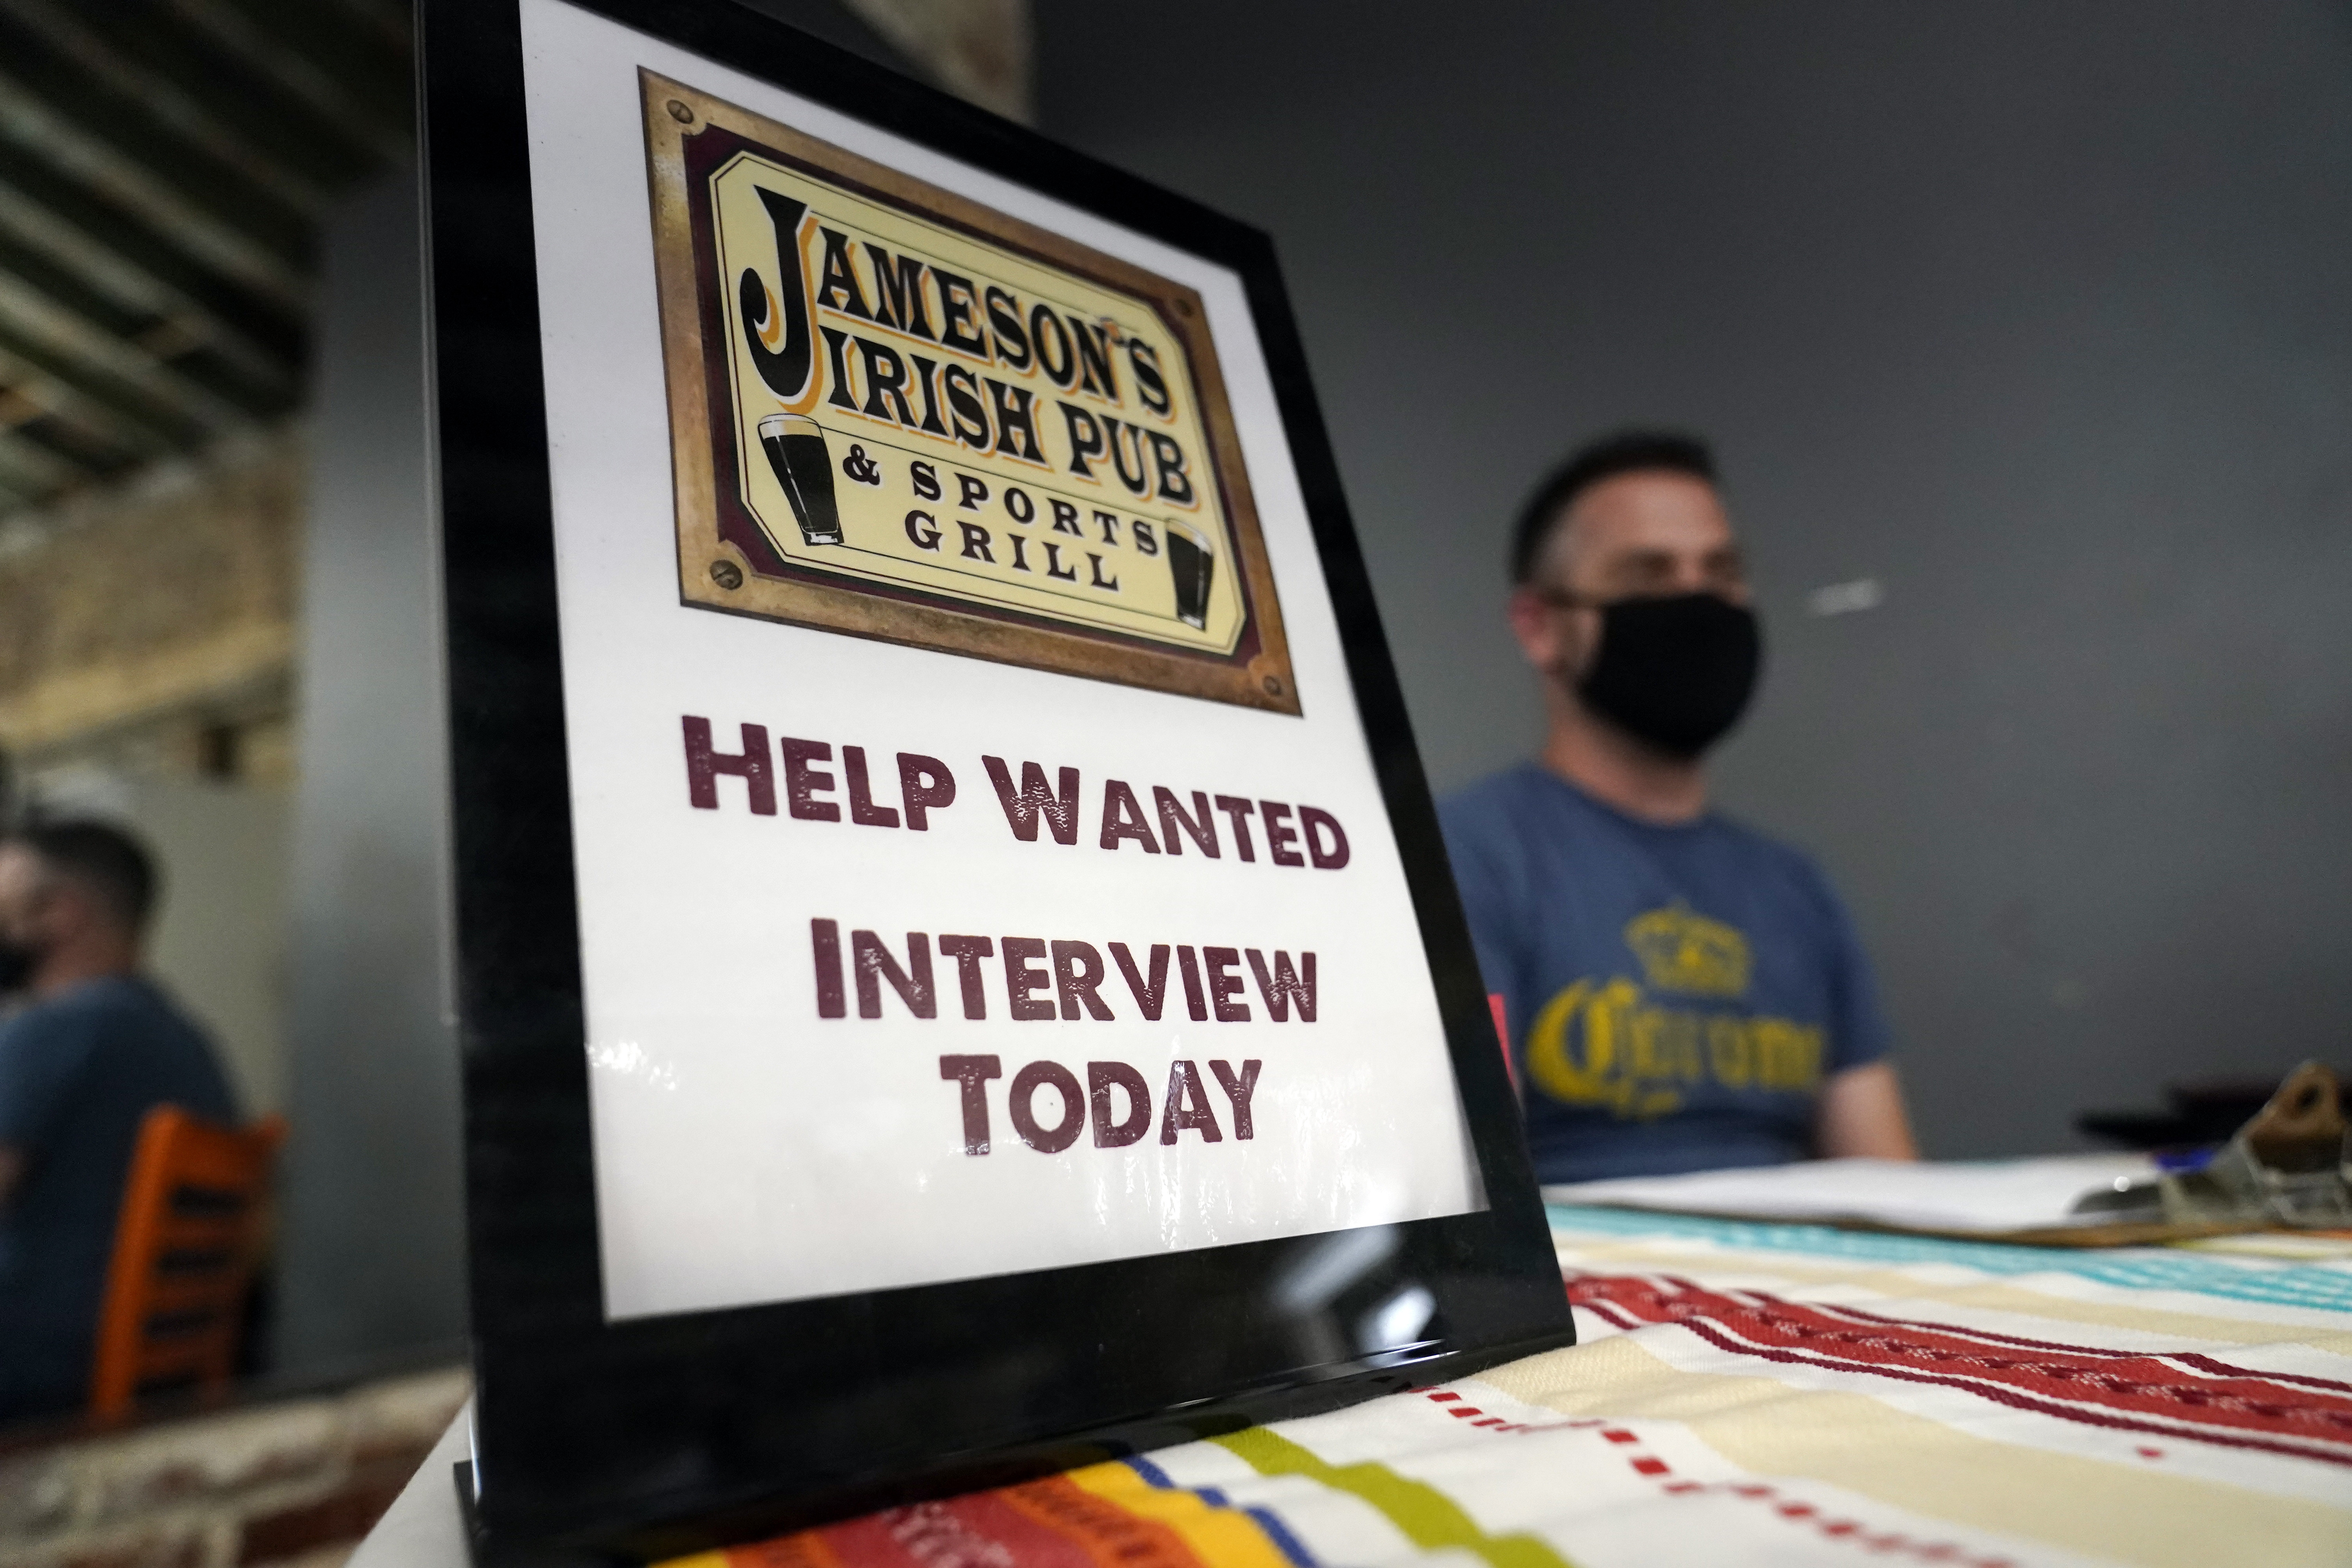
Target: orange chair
point(194, 1224)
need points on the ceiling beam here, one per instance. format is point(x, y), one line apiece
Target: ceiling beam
point(83, 429)
point(381, 127)
point(162, 96)
point(40, 196)
point(63, 261)
point(34, 472)
point(162, 167)
point(121, 370)
point(247, 105)
point(32, 126)
point(83, 104)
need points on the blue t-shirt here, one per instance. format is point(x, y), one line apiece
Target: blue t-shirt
point(1675, 994)
point(77, 1073)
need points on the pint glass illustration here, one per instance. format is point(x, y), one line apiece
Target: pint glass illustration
point(795, 447)
point(1193, 566)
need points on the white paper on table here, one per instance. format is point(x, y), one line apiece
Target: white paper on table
point(1956, 1194)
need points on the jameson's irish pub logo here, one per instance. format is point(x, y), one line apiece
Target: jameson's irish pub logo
point(898, 413)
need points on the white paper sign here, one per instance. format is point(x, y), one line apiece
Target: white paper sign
point(927, 1016)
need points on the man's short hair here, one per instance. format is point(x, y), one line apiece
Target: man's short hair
point(1625, 452)
point(103, 859)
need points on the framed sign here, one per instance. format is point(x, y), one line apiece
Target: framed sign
point(958, 970)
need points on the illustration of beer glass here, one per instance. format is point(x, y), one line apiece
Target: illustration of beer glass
point(795, 447)
point(1194, 568)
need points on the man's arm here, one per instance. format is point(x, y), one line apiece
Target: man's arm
point(1861, 1113)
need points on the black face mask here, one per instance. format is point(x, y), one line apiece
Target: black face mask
point(17, 966)
point(1675, 672)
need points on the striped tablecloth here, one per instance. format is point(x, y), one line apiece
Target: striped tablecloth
point(1771, 1393)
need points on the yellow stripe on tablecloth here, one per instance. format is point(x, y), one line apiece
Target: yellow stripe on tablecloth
point(1223, 1536)
point(1853, 1441)
point(1427, 1517)
point(1993, 1293)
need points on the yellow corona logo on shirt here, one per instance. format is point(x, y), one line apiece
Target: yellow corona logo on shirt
point(1681, 951)
point(1605, 1044)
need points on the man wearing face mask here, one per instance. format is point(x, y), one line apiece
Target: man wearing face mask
point(1683, 993)
point(92, 1049)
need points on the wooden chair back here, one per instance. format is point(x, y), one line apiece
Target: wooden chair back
point(193, 1225)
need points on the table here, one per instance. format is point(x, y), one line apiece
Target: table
point(1764, 1393)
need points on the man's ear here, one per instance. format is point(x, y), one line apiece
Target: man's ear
point(1538, 628)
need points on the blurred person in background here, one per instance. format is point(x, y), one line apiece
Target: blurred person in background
point(93, 1046)
point(1684, 994)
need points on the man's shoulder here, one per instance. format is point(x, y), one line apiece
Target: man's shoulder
point(97, 1012)
point(46, 1048)
point(113, 997)
point(79, 1013)
point(34, 1033)
point(1529, 811)
point(1765, 856)
point(1501, 805)
point(1750, 839)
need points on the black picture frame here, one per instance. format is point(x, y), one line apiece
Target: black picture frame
point(647, 1438)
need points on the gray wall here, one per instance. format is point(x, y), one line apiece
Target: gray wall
point(373, 1253)
point(218, 943)
point(2039, 316)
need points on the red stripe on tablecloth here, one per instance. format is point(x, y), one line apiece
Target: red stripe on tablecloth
point(2097, 1387)
point(2196, 1359)
point(2016, 1401)
point(2207, 1363)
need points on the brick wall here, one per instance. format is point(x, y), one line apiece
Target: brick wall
point(174, 595)
point(298, 1481)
